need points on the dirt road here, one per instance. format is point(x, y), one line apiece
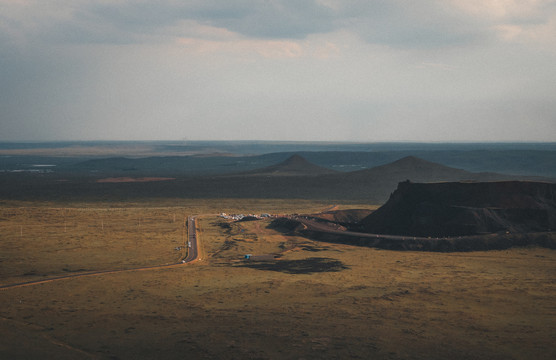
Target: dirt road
point(323, 227)
point(192, 255)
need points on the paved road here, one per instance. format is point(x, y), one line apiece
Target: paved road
point(330, 208)
point(323, 227)
point(192, 251)
point(192, 254)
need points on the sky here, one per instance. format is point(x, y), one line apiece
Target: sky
point(299, 70)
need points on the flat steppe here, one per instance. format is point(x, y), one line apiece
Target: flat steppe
point(319, 300)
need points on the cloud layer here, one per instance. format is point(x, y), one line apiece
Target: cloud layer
point(333, 70)
point(392, 22)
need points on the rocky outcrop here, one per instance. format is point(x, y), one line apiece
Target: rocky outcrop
point(465, 208)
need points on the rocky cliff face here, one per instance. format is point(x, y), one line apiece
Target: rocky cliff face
point(465, 208)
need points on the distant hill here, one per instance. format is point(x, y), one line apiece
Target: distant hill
point(513, 162)
point(295, 165)
point(457, 209)
point(415, 169)
point(197, 165)
point(289, 177)
point(419, 170)
point(378, 183)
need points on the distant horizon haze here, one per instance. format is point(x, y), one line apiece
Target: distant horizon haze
point(284, 141)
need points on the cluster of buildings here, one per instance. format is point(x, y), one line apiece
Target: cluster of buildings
point(242, 216)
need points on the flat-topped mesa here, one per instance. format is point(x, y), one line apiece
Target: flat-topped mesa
point(464, 208)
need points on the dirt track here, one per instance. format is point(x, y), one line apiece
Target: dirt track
point(323, 232)
point(192, 255)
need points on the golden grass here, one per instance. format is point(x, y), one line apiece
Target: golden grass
point(38, 242)
point(319, 301)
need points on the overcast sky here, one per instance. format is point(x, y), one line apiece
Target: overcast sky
point(338, 70)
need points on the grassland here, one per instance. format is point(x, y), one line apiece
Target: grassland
point(318, 301)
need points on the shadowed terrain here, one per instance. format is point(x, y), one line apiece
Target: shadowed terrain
point(295, 165)
point(169, 159)
point(302, 266)
point(459, 209)
point(293, 178)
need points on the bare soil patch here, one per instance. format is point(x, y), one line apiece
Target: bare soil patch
point(129, 179)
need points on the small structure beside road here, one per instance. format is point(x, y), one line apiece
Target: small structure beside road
point(263, 257)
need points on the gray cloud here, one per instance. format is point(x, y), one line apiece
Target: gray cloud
point(131, 22)
point(142, 69)
point(273, 19)
point(392, 22)
point(411, 24)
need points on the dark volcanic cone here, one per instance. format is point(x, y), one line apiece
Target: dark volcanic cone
point(295, 165)
point(416, 169)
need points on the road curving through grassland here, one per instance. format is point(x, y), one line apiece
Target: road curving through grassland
point(192, 255)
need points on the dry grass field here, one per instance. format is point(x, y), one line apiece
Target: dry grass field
point(319, 300)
